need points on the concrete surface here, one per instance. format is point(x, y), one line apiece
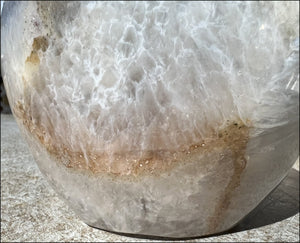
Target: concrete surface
point(31, 211)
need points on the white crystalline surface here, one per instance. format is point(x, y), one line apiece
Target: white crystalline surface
point(158, 75)
point(156, 118)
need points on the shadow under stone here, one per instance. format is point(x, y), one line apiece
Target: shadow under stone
point(281, 203)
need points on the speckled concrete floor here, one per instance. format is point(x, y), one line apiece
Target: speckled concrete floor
point(31, 211)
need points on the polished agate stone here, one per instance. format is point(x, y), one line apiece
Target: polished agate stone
point(171, 119)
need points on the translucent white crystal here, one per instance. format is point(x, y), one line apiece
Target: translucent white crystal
point(121, 87)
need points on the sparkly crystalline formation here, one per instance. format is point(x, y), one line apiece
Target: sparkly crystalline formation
point(200, 97)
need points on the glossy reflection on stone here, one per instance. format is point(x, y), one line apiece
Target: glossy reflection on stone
point(171, 119)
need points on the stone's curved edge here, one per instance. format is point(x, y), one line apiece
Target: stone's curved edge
point(8, 7)
point(154, 237)
point(61, 219)
point(117, 204)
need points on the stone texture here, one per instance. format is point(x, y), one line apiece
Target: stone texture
point(156, 118)
point(31, 210)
